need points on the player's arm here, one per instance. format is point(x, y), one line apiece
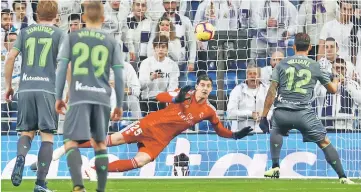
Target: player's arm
point(270, 98)
point(177, 96)
point(272, 91)
point(9, 66)
point(9, 63)
point(117, 67)
point(63, 61)
point(324, 79)
point(224, 132)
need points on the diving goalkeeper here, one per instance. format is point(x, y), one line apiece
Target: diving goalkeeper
point(154, 132)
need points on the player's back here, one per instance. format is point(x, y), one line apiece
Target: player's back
point(39, 45)
point(297, 77)
point(92, 54)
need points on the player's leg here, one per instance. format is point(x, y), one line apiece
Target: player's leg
point(314, 131)
point(48, 125)
point(26, 124)
point(149, 148)
point(141, 158)
point(280, 126)
point(99, 126)
point(111, 140)
point(76, 130)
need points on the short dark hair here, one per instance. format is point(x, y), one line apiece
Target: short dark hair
point(302, 41)
point(159, 40)
point(74, 16)
point(204, 77)
point(6, 11)
point(6, 37)
point(18, 1)
point(332, 39)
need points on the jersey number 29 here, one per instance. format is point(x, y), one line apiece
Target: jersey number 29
point(98, 57)
point(297, 86)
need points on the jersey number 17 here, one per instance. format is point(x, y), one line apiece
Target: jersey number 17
point(296, 87)
point(31, 44)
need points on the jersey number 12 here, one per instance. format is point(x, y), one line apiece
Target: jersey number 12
point(297, 86)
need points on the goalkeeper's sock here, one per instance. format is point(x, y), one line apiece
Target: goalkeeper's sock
point(24, 145)
point(74, 163)
point(122, 165)
point(101, 166)
point(276, 141)
point(44, 159)
point(333, 159)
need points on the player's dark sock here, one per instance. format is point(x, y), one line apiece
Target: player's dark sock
point(333, 159)
point(74, 163)
point(122, 165)
point(276, 141)
point(24, 145)
point(101, 166)
point(44, 159)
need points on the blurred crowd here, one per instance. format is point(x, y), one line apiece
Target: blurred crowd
point(152, 67)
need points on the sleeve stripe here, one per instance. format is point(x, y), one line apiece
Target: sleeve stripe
point(63, 58)
point(115, 66)
point(16, 48)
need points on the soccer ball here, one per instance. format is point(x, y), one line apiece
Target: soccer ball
point(204, 31)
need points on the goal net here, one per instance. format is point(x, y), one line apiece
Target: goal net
point(251, 37)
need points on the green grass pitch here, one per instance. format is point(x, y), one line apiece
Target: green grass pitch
point(198, 185)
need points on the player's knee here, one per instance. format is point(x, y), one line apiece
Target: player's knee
point(28, 133)
point(117, 139)
point(142, 159)
point(324, 142)
point(70, 144)
point(98, 145)
point(49, 137)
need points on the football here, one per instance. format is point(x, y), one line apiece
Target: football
point(204, 31)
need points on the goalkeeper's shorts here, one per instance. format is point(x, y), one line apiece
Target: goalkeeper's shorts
point(146, 143)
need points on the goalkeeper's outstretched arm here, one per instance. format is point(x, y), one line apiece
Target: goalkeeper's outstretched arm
point(226, 133)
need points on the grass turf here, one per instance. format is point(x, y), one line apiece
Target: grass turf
point(197, 185)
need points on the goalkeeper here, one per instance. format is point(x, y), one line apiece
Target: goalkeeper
point(294, 80)
point(154, 132)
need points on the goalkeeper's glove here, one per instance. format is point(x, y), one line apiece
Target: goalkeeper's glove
point(242, 133)
point(182, 94)
point(264, 125)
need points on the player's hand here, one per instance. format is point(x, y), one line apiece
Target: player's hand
point(117, 114)
point(182, 94)
point(60, 106)
point(242, 133)
point(9, 94)
point(264, 125)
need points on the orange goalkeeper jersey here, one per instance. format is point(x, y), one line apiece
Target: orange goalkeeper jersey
point(166, 124)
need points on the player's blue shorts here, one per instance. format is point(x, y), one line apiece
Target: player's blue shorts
point(305, 121)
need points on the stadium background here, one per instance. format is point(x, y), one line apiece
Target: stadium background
point(226, 59)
